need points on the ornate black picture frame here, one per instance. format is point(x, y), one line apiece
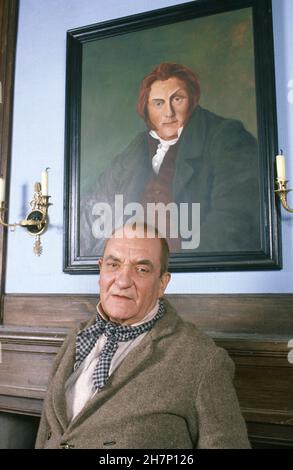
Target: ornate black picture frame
point(232, 131)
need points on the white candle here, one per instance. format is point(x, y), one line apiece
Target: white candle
point(280, 162)
point(2, 190)
point(45, 182)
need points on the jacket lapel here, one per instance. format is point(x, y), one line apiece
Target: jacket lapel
point(61, 376)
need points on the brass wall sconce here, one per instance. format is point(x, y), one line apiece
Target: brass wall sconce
point(36, 222)
point(281, 182)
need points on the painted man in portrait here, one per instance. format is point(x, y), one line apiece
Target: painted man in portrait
point(186, 155)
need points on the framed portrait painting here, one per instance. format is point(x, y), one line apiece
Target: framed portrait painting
point(171, 121)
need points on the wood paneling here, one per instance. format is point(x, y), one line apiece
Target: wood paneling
point(251, 314)
point(27, 356)
point(21, 405)
point(270, 436)
point(48, 310)
point(255, 329)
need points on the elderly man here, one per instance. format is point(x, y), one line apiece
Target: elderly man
point(187, 155)
point(136, 376)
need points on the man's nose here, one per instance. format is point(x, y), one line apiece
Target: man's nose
point(124, 277)
point(169, 110)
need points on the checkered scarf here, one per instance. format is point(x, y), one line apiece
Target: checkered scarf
point(87, 338)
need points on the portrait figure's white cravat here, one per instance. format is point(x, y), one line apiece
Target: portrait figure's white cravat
point(162, 149)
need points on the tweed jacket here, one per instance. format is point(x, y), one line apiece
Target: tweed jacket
point(172, 391)
point(216, 167)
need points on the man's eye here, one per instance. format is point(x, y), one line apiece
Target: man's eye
point(142, 270)
point(112, 265)
point(178, 99)
point(158, 104)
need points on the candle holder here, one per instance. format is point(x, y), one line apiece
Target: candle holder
point(37, 219)
point(282, 192)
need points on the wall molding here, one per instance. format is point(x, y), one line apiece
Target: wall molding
point(252, 314)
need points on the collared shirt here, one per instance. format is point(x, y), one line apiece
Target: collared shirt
point(162, 149)
point(79, 386)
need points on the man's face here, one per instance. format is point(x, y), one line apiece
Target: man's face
point(130, 281)
point(168, 107)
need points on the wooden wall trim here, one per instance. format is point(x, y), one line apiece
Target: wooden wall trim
point(8, 31)
point(29, 336)
point(47, 310)
point(253, 314)
point(21, 405)
point(271, 435)
point(237, 344)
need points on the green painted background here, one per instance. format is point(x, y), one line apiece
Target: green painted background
point(218, 47)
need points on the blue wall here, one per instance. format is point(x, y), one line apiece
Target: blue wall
point(38, 142)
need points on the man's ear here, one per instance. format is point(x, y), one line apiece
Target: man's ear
point(100, 262)
point(165, 278)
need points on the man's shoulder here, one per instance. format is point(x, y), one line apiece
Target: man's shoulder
point(191, 348)
point(189, 334)
point(217, 133)
point(128, 160)
point(213, 120)
point(139, 141)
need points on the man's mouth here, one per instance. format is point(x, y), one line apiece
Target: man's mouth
point(122, 297)
point(170, 122)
